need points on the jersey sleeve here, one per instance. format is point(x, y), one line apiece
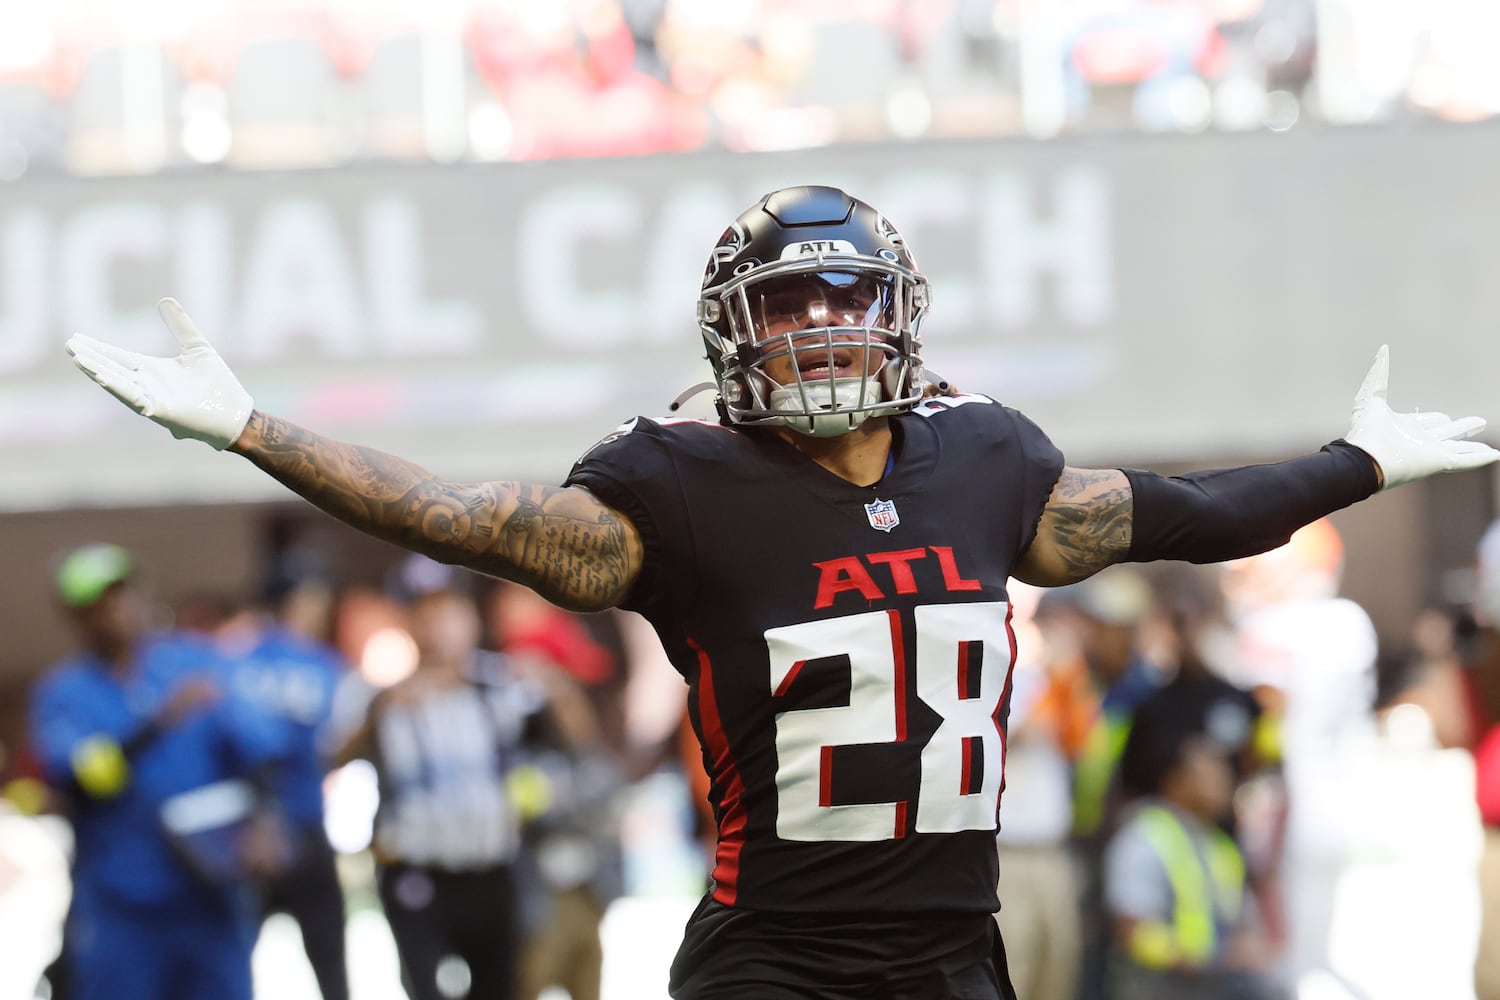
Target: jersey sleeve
point(1041, 465)
point(1000, 441)
point(632, 470)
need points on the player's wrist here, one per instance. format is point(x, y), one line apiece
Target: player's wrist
point(1375, 462)
point(250, 436)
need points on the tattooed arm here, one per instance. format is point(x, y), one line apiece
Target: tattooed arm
point(1085, 527)
point(560, 541)
point(1097, 517)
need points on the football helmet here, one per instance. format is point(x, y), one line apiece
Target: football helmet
point(809, 309)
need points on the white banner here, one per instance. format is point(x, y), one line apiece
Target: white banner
point(1145, 299)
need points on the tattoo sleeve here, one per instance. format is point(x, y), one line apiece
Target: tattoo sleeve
point(562, 542)
point(1086, 526)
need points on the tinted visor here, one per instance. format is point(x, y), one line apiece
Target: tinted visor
point(816, 300)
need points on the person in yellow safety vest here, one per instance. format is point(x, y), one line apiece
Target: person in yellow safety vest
point(1174, 882)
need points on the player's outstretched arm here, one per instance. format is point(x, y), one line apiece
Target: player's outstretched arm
point(561, 541)
point(1095, 518)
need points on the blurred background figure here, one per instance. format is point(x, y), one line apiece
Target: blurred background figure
point(574, 867)
point(283, 663)
point(1097, 624)
point(1311, 655)
point(163, 769)
point(1053, 706)
point(1193, 641)
point(1103, 616)
point(1482, 656)
point(447, 744)
point(33, 879)
point(1183, 926)
point(582, 654)
point(1363, 791)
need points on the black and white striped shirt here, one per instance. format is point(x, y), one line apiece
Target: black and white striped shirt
point(442, 763)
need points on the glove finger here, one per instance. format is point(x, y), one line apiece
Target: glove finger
point(1465, 427)
point(1468, 448)
point(1427, 420)
point(132, 397)
point(1374, 385)
point(181, 324)
point(119, 355)
point(1471, 455)
point(115, 380)
point(106, 371)
point(78, 342)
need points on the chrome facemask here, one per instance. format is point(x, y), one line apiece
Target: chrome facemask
point(847, 329)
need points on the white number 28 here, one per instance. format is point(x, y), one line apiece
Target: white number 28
point(951, 641)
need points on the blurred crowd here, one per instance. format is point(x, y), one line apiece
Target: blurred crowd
point(196, 765)
point(310, 83)
point(1217, 786)
point(1219, 789)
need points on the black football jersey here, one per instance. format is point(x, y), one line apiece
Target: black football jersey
point(848, 648)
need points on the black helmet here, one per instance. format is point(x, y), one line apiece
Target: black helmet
point(821, 281)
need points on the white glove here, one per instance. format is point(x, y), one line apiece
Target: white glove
point(1411, 446)
point(193, 395)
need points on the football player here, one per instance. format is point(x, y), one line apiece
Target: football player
point(826, 565)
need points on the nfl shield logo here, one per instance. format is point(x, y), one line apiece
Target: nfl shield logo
point(882, 515)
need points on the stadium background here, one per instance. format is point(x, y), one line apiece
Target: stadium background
point(1173, 233)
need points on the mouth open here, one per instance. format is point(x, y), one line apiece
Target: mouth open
point(814, 364)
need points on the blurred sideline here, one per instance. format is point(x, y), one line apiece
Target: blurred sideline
point(640, 935)
point(640, 932)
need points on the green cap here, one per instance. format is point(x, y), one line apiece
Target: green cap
point(86, 573)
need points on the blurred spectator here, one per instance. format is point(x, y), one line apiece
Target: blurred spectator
point(1408, 900)
point(1183, 926)
point(283, 665)
point(1484, 676)
point(585, 649)
point(33, 879)
point(164, 770)
point(1196, 640)
point(1382, 831)
point(1107, 613)
point(1197, 699)
point(266, 87)
point(447, 745)
point(572, 849)
point(1052, 708)
point(1100, 620)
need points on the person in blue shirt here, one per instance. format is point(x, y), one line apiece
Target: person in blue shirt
point(283, 664)
point(138, 732)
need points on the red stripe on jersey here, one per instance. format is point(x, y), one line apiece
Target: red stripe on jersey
point(726, 775)
point(898, 647)
point(789, 679)
point(963, 670)
point(1010, 667)
point(825, 777)
point(966, 772)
